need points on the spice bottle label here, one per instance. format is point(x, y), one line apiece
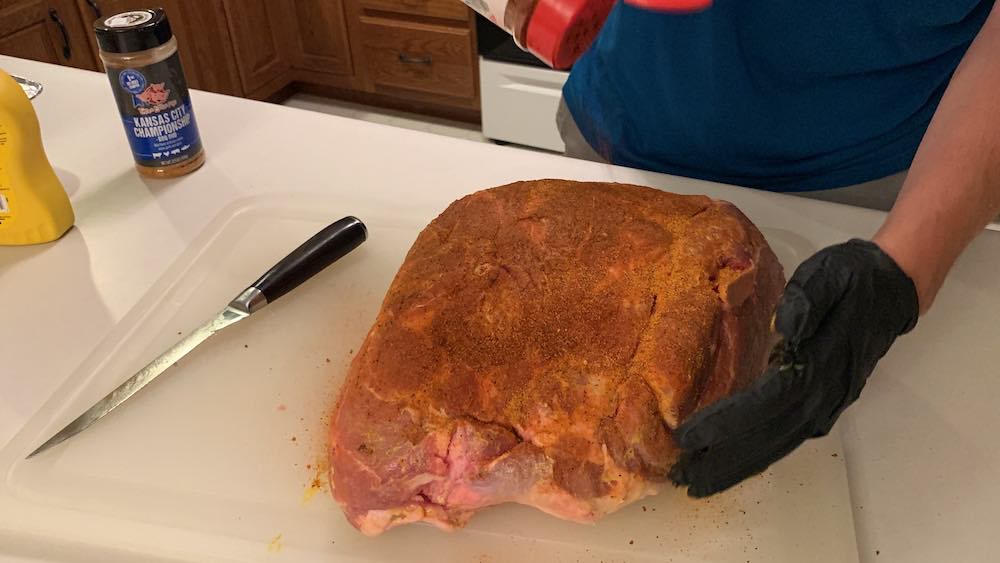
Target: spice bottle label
point(493, 10)
point(155, 108)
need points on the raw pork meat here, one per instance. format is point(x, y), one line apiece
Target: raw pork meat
point(539, 343)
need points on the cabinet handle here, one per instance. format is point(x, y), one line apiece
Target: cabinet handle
point(411, 60)
point(93, 6)
point(54, 16)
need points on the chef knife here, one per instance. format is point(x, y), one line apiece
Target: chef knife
point(323, 249)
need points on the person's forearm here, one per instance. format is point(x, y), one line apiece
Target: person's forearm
point(953, 187)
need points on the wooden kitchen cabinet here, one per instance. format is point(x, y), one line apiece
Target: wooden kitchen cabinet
point(446, 9)
point(314, 35)
point(44, 30)
point(414, 56)
point(420, 51)
point(417, 55)
point(262, 67)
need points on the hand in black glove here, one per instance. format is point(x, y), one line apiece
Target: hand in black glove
point(840, 312)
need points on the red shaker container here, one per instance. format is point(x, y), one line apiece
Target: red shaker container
point(559, 31)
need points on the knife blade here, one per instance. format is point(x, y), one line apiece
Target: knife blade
point(321, 250)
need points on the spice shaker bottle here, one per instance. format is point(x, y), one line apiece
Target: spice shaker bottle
point(139, 52)
point(559, 31)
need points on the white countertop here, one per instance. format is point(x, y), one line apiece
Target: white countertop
point(921, 460)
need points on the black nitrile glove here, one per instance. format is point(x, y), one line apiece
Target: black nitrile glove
point(840, 312)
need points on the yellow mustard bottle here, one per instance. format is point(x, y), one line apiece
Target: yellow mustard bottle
point(34, 207)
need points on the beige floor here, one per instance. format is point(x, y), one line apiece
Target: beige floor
point(395, 118)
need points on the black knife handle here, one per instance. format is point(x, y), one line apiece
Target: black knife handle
point(321, 250)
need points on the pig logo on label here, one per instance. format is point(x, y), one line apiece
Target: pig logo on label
point(153, 95)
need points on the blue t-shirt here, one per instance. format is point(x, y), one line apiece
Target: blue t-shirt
point(785, 95)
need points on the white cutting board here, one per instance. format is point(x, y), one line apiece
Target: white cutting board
point(218, 460)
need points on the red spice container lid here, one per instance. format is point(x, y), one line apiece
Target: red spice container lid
point(559, 31)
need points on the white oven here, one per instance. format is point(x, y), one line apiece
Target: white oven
point(520, 95)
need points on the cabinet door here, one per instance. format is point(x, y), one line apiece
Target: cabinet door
point(258, 57)
point(202, 38)
point(44, 30)
point(314, 35)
